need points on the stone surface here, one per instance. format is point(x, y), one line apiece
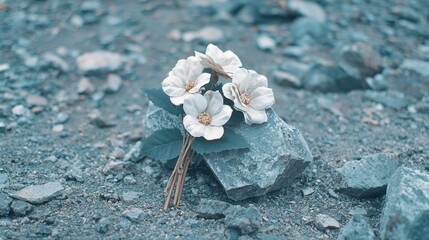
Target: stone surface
point(85, 86)
point(369, 176)
point(208, 208)
point(21, 208)
point(418, 66)
point(206, 35)
point(406, 210)
point(357, 228)
point(266, 43)
point(57, 62)
point(37, 194)
point(245, 220)
point(390, 98)
point(307, 9)
point(311, 27)
point(114, 83)
point(323, 222)
point(278, 154)
point(4, 181)
point(5, 202)
point(330, 78)
point(134, 155)
point(360, 60)
point(36, 100)
point(134, 214)
point(99, 62)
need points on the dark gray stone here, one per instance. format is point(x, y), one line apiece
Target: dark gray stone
point(406, 210)
point(390, 98)
point(5, 201)
point(419, 66)
point(330, 78)
point(134, 155)
point(103, 225)
point(278, 154)
point(309, 27)
point(61, 117)
point(357, 228)
point(323, 221)
point(245, 220)
point(212, 208)
point(20, 208)
point(307, 9)
point(360, 60)
point(290, 74)
point(37, 194)
point(369, 176)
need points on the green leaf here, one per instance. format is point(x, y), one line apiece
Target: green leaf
point(237, 117)
point(163, 144)
point(229, 141)
point(162, 100)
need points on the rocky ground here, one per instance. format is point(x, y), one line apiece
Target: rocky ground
point(352, 75)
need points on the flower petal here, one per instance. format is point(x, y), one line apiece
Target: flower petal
point(228, 91)
point(194, 104)
point(262, 98)
point(173, 86)
point(222, 117)
point(178, 100)
point(214, 52)
point(181, 70)
point(241, 79)
point(202, 80)
point(194, 68)
point(214, 102)
point(230, 62)
point(193, 126)
point(213, 132)
point(256, 80)
point(255, 116)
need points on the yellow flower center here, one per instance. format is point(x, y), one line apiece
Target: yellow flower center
point(245, 98)
point(204, 118)
point(189, 85)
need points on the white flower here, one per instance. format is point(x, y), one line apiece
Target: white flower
point(185, 79)
point(224, 63)
point(205, 115)
point(251, 95)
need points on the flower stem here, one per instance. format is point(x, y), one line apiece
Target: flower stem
point(177, 179)
point(214, 79)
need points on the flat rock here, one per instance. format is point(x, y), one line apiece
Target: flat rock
point(369, 176)
point(134, 214)
point(266, 43)
point(215, 209)
point(406, 210)
point(419, 66)
point(390, 98)
point(206, 35)
point(114, 83)
point(330, 78)
point(134, 155)
point(307, 26)
point(357, 228)
point(37, 194)
point(5, 202)
point(36, 100)
point(323, 222)
point(278, 154)
point(245, 220)
point(99, 62)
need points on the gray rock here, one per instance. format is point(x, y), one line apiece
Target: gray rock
point(4, 181)
point(265, 42)
point(377, 83)
point(307, 9)
point(21, 208)
point(419, 66)
point(100, 62)
point(278, 154)
point(4, 67)
point(90, 6)
point(245, 220)
point(369, 176)
point(134, 214)
point(129, 197)
point(390, 98)
point(61, 117)
point(360, 60)
point(208, 208)
point(85, 86)
point(36, 100)
point(22, 111)
point(3, 128)
point(129, 180)
point(134, 155)
point(114, 83)
point(5, 201)
point(330, 78)
point(55, 61)
point(323, 222)
point(294, 51)
point(306, 26)
point(356, 229)
point(406, 209)
point(205, 35)
point(37, 194)
point(103, 225)
point(286, 79)
point(290, 74)
point(116, 167)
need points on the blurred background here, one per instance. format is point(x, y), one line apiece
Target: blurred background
point(352, 75)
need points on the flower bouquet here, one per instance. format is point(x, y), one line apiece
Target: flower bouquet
point(212, 93)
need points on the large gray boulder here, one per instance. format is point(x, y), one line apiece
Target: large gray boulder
point(357, 228)
point(278, 154)
point(406, 211)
